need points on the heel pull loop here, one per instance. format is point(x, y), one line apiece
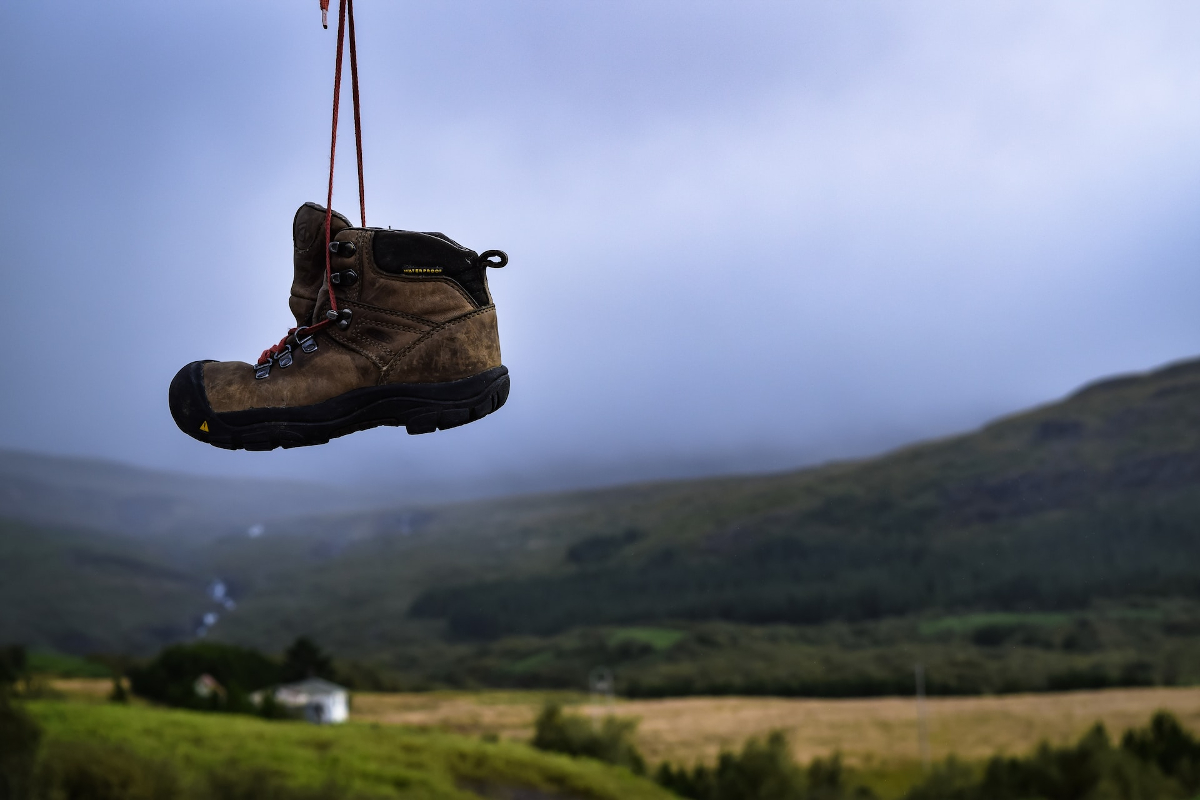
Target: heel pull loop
point(485, 259)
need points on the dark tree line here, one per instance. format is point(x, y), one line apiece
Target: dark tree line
point(800, 575)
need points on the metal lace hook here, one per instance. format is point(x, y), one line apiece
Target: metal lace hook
point(305, 339)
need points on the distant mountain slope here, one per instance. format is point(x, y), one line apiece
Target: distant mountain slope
point(85, 591)
point(1094, 496)
point(104, 495)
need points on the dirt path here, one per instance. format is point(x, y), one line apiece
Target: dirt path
point(870, 731)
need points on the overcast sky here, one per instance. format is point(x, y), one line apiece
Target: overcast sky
point(743, 235)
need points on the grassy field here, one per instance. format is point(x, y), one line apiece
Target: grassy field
point(371, 759)
point(435, 744)
point(870, 733)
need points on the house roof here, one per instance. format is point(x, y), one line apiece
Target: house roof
point(311, 686)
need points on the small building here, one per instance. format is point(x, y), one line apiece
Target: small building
point(316, 700)
point(207, 686)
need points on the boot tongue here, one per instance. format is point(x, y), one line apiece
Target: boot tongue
point(308, 255)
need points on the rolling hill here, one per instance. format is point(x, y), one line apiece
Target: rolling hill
point(1096, 497)
point(88, 591)
point(1055, 537)
point(1093, 497)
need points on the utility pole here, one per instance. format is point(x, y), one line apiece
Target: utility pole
point(922, 718)
point(602, 685)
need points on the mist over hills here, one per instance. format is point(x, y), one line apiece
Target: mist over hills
point(1075, 508)
point(133, 501)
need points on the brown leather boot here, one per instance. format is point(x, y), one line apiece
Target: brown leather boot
point(308, 256)
point(413, 343)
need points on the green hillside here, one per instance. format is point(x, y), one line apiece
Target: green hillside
point(1096, 497)
point(1050, 549)
point(363, 761)
point(85, 591)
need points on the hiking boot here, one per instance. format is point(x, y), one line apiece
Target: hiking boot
point(413, 343)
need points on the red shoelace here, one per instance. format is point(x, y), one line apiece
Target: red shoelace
point(345, 12)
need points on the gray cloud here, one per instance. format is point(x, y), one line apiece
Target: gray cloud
point(743, 235)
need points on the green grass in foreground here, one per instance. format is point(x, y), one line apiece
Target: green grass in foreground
point(379, 761)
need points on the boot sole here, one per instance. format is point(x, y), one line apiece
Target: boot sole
point(418, 407)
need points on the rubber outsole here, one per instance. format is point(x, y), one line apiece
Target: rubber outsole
point(417, 407)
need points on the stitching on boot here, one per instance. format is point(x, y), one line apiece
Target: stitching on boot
point(389, 312)
point(364, 351)
point(384, 371)
point(453, 284)
point(381, 324)
point(369, 342)
point(342, 339)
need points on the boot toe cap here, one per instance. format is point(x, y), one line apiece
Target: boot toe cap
point(189, 402)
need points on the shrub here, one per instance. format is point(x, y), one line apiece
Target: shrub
point(1092, 768)
point(270, 708)
point(951, 780)
point(1168, 745)
point(19, 740)
point(14, 665)
point(611, 742)
point(119, 693)
point(764, 770)
point(170, 678)
point(305, 660)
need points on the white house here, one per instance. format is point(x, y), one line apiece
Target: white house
point(318, 701)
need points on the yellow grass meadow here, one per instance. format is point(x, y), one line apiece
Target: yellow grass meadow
point(867, 732)
point(872, 732)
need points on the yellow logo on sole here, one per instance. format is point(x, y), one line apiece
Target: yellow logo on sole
point(204, 426)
